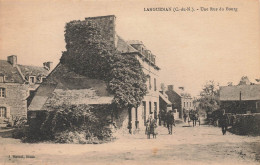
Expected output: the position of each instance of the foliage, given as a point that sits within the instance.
(127, 81)
(209, 97)
(19, 121)
(20, 132)
(246, 125)
(244, 81)
(89, 54)
(74, 137)
(87, 51)
(72, 118)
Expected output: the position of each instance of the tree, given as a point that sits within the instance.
(244, 81)
(209, 97)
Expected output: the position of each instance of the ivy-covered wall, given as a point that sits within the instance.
(90, 53)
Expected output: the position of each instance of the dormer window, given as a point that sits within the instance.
(32, 79)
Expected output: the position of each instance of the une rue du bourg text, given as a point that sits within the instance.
(191, 9)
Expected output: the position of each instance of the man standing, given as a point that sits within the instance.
(170, 121)
(185, 116)
(223, 121)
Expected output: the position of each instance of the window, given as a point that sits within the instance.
(144, 111)
(32, 79)
(150, 85)
(149, 56)
(155, 84)
(150, 107)
(3, 112)
(2, 78)
(184, 104)
(2, 92)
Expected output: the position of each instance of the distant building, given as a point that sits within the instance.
(180, 99)
(69, 81)
(241, 98)
(17, 84)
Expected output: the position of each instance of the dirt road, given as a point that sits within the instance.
(188, 145)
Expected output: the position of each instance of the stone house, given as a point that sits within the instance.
(181, 100)
(150, 103)
(94, 92)
(17, 85)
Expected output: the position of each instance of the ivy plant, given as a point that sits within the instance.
(89, 54)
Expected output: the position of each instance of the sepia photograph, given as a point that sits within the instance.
(129, 82)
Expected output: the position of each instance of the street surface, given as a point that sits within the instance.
(188, 145)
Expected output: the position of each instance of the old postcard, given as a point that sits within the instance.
(129, 82)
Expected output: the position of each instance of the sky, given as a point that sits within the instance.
(190, 47)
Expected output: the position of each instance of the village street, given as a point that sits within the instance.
(188, 145)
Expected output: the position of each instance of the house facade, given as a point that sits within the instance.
(150, 103)
(181, 100)
(17, 84)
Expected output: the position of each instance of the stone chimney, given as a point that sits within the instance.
(12, 60)
(107, 26)
(170, 87)
(48, 65)
(181, 88)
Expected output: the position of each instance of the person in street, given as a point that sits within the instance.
(223, 121)
(160, 118)
(185, 116)
(170, 121)
(151, 126)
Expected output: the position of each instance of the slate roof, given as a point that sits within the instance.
(232, 93)
(21, 73)
(11, 73)
(182, 93)
(124, 47)
(64, 85)
(36, 71)
(164, 98)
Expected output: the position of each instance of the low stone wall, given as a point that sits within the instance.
(246, 124)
